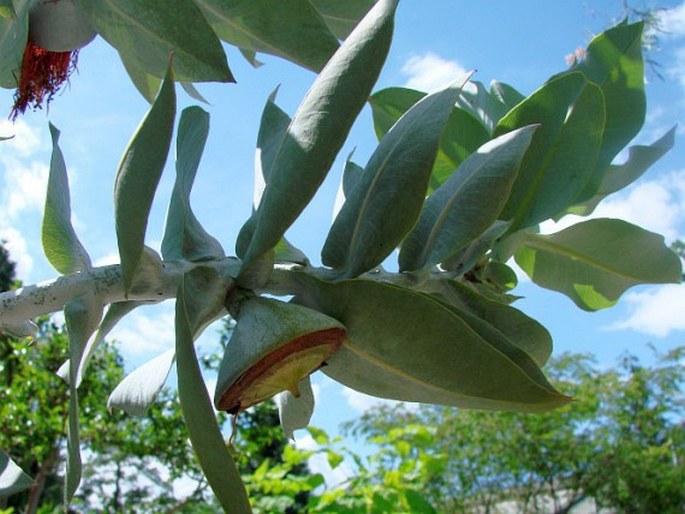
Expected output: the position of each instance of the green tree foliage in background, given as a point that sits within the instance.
(460, 181)
(132, 462)
(621, 444)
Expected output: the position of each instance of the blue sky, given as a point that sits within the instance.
(521, 43)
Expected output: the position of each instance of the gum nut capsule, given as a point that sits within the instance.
(59, 26)
(273, 346)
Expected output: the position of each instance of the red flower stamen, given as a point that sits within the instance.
(42, 75)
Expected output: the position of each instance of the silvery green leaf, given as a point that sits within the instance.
(200, 298)
(139, 389)
(296, 411)
(467, 203)
(60, 243)
(184, 236)
(12, 477)
(82, 316)
(386, 200)
(319, 128)
(138, 175)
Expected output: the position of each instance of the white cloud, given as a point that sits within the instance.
(107, 259)
(142, 334)
(25, 139)
(676, 70)
(430, 72)
(25, 185)
(656, 312)
(17, 246)
(362, 402)
(673, 21)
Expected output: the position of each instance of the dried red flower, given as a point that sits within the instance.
(42, 75)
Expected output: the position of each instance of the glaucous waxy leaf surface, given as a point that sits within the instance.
(483, 105)
(595, 261)
(463, 133)
(506, 94)
(342, 17)
(296, 411)
(139, 389)
(12, 478)
(618, 176)
(274, 346)
(145, 32)
(184, 236)
(139, 172)
(294, 30)
(387, 198)
(200, 299)
(14, 31)
(467, 203)
(320, 127)
(561, 159)
(82, 316)
(408, 346)
(60, 242)
(517, 327)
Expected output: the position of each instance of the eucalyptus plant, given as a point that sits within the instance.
(459, 182)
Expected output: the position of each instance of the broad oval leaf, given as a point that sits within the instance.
(485, 106)
(184, 236)
(60, 242)
(139, 389)
(145, 32)
(468, 203)
(296, 411)
(407, 346)
(293, 30)
(506, 94)
(320, 127)
(12, 477)
(595, 261)
(387, 198)
(138, 175)
(561, 159)
(200, 294)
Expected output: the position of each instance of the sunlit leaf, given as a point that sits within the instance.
(618, 176)
(320, 126)
(293, 30)
(562, 157)
(407, 346)
(387, 199)
(296, 411)
(199, 297)
(184, 236)
(506, 94)
(135, 393)
(12, 478)
(145, 32)
(462, 135)
(614, 62)
(60, 243)
(138, 175)
(594, 262)
(468, 203)
(482, 105)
